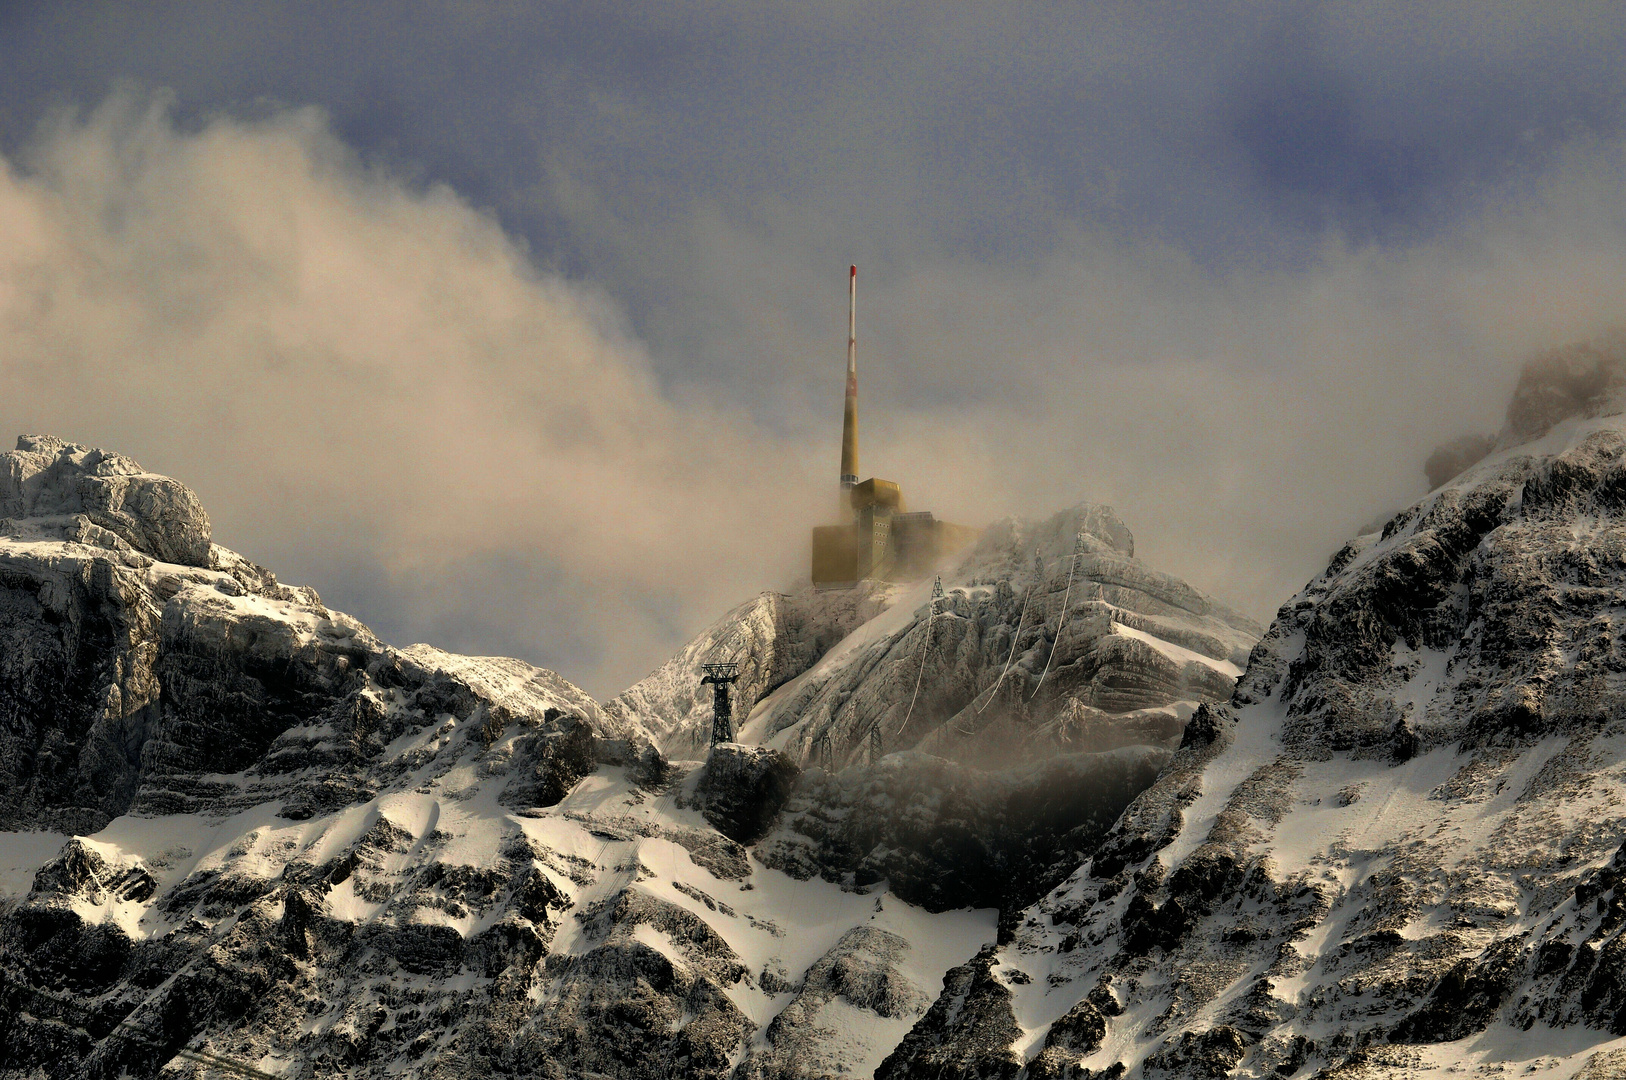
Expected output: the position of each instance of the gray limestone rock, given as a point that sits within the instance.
(1052, 638)
(1403, 833)
(548, 762)
(944, 835)
(965, 1035)
(862, 970)
(85, 490)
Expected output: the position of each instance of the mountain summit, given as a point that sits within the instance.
(1050, 637)
(1066, 819)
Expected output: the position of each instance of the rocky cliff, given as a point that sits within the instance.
(1397, 851)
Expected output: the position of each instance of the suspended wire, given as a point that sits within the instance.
(925, 648)
(1062, 619)
(1026, 600)
(918, 677)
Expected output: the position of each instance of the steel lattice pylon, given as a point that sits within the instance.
(721, 677)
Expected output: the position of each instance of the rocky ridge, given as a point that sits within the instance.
(1051, 638)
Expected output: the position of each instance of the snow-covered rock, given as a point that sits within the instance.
(773, 637)
(51, 487)
(741, 789)
(1395, 846)
(237, 830)
(1050, 638)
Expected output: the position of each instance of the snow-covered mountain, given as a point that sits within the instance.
(1398, 851)
(1050, 638)
(240, 834)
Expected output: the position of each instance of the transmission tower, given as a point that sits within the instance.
(824, 752)
(877, 747)
(721, 677)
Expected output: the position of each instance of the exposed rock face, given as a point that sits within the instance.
(966, 1035)
(774, 637)
(1451, 460)
(1582, 380)
(1397, 850)
(548, 762)
(102, 499)
(862, 972)
(943, 835)
(742, 788)
(1051, 638)
(137, 662)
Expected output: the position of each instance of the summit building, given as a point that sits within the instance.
(878, 537)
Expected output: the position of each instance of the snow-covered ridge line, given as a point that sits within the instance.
(282, 842)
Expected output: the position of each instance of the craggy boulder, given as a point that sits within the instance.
(742, 788)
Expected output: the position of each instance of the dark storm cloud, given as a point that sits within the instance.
(1234, 267)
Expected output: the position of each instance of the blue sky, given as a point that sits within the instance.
(1069, 216)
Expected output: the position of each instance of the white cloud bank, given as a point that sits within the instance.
(374, 390)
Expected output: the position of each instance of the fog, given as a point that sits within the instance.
(578, 432)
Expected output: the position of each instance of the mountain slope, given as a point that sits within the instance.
(238, 831)
(775, 636)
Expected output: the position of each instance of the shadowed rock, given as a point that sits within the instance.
(742, 788)
(943, 835)
(1583, 379)
(1456, 457)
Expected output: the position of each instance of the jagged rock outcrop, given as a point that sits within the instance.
(58, 490)
(138, 662)
(966, 1035)
(1452, 459)
(742, 788)
(1396, 850)
(1051, 638)
(774, 637)
(862, 972)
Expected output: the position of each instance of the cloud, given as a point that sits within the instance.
(1245, 420)
(376, 391)
(370, 386)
